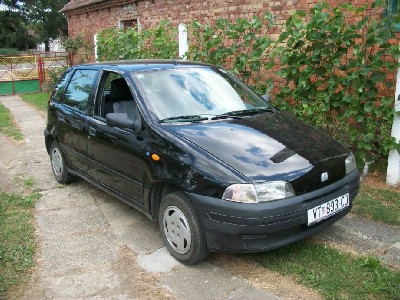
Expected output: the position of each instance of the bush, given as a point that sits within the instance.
(336, 70)
(9, 51)
(243, 46)
(158, 42)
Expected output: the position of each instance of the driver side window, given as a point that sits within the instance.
(116, 97)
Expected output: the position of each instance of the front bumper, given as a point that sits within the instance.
(243, 227)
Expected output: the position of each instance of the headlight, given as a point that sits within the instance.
(350, 163)
(258, 192)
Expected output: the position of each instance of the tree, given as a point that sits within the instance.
(14, 31)
(24, 23)
(48, 23)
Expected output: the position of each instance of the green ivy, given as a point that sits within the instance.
(336, 61)
(158, 42)
(73, 45)
(244, 46)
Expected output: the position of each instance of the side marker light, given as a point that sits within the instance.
(155, 157)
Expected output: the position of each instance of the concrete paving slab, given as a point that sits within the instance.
(71, 221)
(119, 214)
(392, 255)
(43, 181)
(140, 237)
(250, 293)
(384, 233)
(159, 261)
(99, 195)
(62, 255)
(341, 234)
(92, 282)
(36, 149)
(71, 197)
(204, 281)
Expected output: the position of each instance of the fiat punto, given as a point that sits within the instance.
(195, 149)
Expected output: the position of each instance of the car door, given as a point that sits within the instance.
(117, 155)
(72, 116)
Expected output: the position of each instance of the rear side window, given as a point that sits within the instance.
(79, 88)
(59, 89)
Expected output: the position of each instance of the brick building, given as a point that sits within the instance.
(88, 17)
(91, 16)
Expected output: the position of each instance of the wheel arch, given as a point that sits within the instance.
(157, 192)
(48, 141)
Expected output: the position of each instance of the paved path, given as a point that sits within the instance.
(92, 246)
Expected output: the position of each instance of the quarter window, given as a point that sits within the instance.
(79, 88)
(59, 89)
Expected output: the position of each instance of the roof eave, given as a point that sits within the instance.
(70, 9)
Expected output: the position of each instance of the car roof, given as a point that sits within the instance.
(145, 64)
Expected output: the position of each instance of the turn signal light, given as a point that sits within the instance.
(155, 157)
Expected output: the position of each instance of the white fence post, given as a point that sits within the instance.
(393, 169)
(183, 41)
(96, 57)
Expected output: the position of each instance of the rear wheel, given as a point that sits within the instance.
(58, 164)
(181, 229)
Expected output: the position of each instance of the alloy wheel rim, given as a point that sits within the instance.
(177, 230)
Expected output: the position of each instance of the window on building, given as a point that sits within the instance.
(394, 8)
(127, 24)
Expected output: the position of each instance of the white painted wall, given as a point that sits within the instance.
(183, 41)
(96, 56)
(55, 46)
(393, 170)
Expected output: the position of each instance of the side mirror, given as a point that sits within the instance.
(121, 120)
(266, 97)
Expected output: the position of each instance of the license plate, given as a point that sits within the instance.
(327, 209)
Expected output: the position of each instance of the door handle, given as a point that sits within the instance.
(92, 131)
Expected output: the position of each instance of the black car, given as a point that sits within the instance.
(191, 146)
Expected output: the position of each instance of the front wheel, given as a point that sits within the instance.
(181, 229)
(58, 164)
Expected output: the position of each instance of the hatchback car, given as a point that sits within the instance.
(194, 148)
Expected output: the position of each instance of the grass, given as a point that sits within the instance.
(17, 244)
(334, 274)
(38, 100)
(29, 182)
(7, 125)
(378, 205)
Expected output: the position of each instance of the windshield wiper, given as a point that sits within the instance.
(226, 116)
(244, 112)
(189, 118)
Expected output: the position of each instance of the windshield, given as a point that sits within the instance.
(195, 91)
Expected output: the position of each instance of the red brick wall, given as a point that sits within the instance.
(183, 11)
(95, 20)
(88, 21)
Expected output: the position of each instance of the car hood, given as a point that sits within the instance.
(270, 146)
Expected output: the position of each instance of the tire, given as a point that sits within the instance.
(58, 164)
(181, 229)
